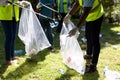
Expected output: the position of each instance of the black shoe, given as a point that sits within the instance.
(90, 68)
(87, 57)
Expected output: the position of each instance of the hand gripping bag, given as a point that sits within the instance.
(31, 33)
(70, 49)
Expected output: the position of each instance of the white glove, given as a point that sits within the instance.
(24, 3)
(73, 32)
(39, 5)
(67, 18)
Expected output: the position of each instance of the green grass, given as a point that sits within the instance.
(45, 64)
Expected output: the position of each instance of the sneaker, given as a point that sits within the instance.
(91, 68)
(87, 57)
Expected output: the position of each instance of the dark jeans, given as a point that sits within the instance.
(92, 35)
(59, 27)
(10, 29)
(47, 29)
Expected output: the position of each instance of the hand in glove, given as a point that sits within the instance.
(39, 5)
(73, 32)
(67, 18)
(24, 3)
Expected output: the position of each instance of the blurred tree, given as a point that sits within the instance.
(109, 8)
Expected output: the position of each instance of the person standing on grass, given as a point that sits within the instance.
(9, 17)
(93, 15)
(46, 22)
(63, 6)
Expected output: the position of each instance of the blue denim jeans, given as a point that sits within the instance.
(47, 29)
(10, 28)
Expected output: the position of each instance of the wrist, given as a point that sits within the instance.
(68, 15)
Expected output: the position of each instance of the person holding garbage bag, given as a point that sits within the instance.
(63, 6)
(93, 15)
(45, 22)
(9, 17)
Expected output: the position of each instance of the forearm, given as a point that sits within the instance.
(75, 7)
(84, 16)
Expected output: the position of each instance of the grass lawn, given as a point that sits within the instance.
(45, 64)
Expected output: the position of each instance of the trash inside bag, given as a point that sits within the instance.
(70, 49)
(31, 32)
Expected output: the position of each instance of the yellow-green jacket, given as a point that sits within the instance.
(96, 12)
(6, 12)
(65, 5)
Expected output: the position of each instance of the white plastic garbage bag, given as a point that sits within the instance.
(31, 32)
(70, 49)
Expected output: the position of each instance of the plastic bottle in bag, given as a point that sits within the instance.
(32, 53)
(19, 52)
